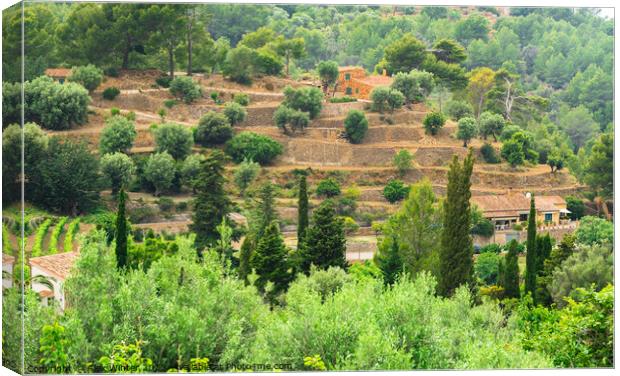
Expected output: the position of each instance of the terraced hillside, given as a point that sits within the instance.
(320, 147)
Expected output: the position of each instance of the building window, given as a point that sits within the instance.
(347, 76)
(522, 217)
(548, 217)
(348, 91)
(357, 91)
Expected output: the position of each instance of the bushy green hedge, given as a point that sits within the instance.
(110, 93)
(88, 76)
(250, 145)
(186, 89)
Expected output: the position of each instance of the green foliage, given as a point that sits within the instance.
(355, 126)
(575, 206)
(599, 166)
(52, 247)
(118, 168)
(384, 98)
(324, 243)
(510, 281)
(53, 342)
(175, 139)
(250, 145)
(242, 99)
(405, 54)
(270, 262)
(328, 73)
(489, 154)
(88, 76)
(458, 110)
(402, 161)
(491, 124)
(433, 122)
(472, 27)
(191, 168)
(531, 259)
(121, 232)
(512, 152)
(55, 106)
(450, 51)
(235, 113)
(163, 81)
(126, 359)
(245, 174)
(285, 116)
(72, 229)
(578, 125)
(213, 128)
(305, 99)
(456, 253)
(343, 99)
(467, 129)
(211, 205)
(239, 65)
(328, 187)
(110, 93)
(593, 230)
(160, 171)
(118, 135)
(492, 247)
(395, 190)
(302, 210)
(186, 89)
(415, 85)
(37, 248)
(169, 103)
(389, 260)
(314, 363)
(486, 267)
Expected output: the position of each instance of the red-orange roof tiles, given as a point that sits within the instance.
(57, 72)
(59, 265)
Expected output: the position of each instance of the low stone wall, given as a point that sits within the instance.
(504, 236)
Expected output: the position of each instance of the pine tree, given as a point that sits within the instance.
(456, 254)
(302, 210)
(511, 271)
(211, 203)
(245, 255)
(270, 260)
(265, 209)
(325, 242)
(121, 232)
(532, 252)
(390, 262)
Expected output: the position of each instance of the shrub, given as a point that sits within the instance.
(305, 99)
(175, 139)
(235, 113)
(467, 129)
(395, 191)
(512, 152)
(285, 115)
(433, 122)
(118, 135)
(111, 72)
(483, 228)
(491, 248)
(53, 105)
(242, 99)
(239, 65)
(118, 168)
(163, 81)
(110, 93)
(458, 110)
(402, 161)
(250, 145)
(165, 204)
(344, 99)
(415, 85)
(491, 124)
(169, 103)
(350, 226)
(384, 98)
(245, 173)
(328, 188)
(160, 171)
(486, 267)
(213, 129)
(355, 126)
(88, 76)
(489, 154)
(191, 168)
(267, 62)
(186, 89)
(575, 206)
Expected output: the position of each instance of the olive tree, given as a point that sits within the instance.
(160, 171)
(118, 168)
(175, 139)
(118, 134)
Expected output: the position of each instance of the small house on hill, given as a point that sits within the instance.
(510, 209)
(55, 269)
(8, 265)
(354, 82)
(58, 74)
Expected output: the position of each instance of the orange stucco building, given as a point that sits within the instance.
(354, 82)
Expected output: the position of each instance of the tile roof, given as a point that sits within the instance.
(349, 68)
(503, 205)
(57, 72)
(375, 80)
(7, 259)
(46, 293)
(59, 265)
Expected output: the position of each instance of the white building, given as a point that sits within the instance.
(8, 264)
(55, 269)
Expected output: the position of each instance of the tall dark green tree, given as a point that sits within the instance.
(390, 262)
(265, 209)
(543, 248)
(245, 255)
(532, 253)
(557, 256)
(456, 251)
(511, 271)
(325, 242)
(121, 232)
(270, 261)
(302, 210)
(211, 203)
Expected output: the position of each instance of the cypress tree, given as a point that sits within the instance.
(270, 260)
(325, 243)
(211, 203)
(245, 255)
(302, 210)
(532, 253)
(121, 232)
(557, 255)
(389, 261)
(456, 251)
(265, 210)
(511, 271)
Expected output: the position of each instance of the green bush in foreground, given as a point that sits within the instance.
(250, 145)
